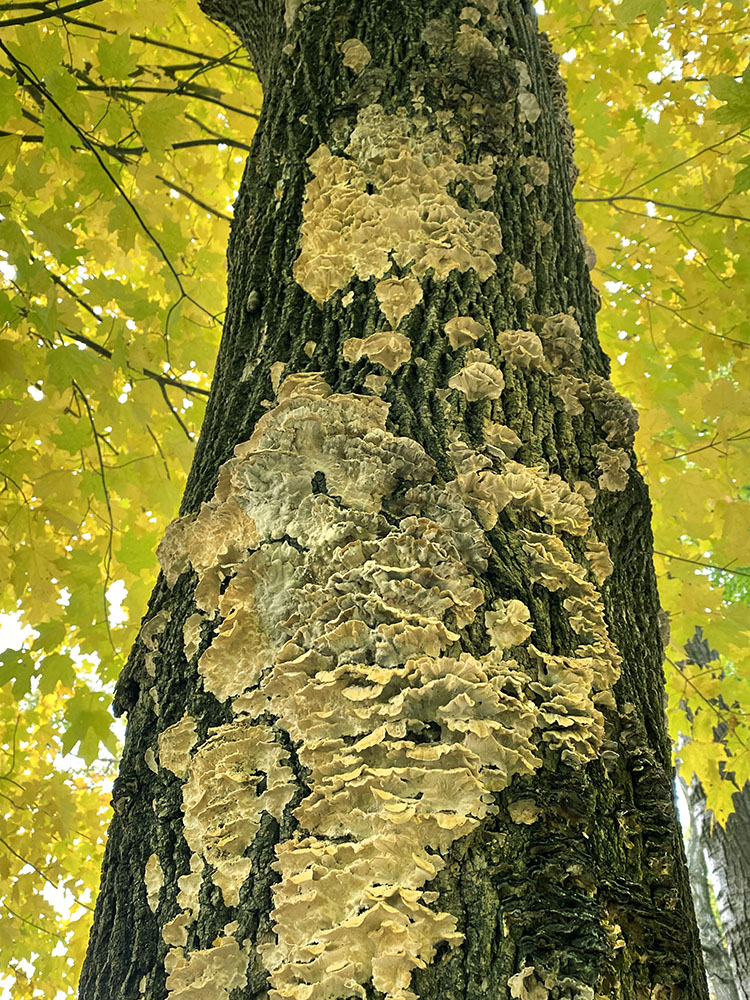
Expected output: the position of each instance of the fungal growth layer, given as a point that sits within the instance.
(336, 573)
(341, 596)
(386, 202)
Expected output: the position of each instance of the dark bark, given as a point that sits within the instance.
(592, 896)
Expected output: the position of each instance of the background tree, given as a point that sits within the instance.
(130, 111)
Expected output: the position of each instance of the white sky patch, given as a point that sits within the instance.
(14, 635)
(116, 594)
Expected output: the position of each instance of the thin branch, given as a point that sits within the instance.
(157, 43)
(677, 312)
(31, 76)
(698, 562)
(180, 91)
(39, 871)
(613, 198)
(159, 449)
(715, 708)
(46, 11)
(688, 159)
(196, 201)
(739, 436)
(116, 149)
(108, 560)
(31, 923)
(66, 288)
(12, 752)
(104, 352)
(188, 433)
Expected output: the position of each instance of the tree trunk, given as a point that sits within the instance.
(721, 979)
(726, 855)
(395, 718)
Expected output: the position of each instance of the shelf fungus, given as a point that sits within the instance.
(344, 590)
(386, 202)
(572, 391)
(303, 384)
(501, 441)
(522, 348)
(528, 106)
(601, 565)
(528, 985)
(561, 336)
(389, 349)
(471, 43)
(209, 974)
(508, 624)
(463, 330)
(522, 278)
(538, 169)
(153, 877)
(355, 54)
(149, 635)
(222, 802)
(478, 380)
(175, 745)
(397, 298)
(613, 464)
(617, 416)
(191, 633)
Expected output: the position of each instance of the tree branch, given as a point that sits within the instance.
(165, 380)
(698, 562)
(613, 198)
(45, 11)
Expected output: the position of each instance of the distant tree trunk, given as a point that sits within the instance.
(721, 980)
(395, 716)
(726, 854)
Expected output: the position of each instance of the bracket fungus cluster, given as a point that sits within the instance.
(336, 613)
(386, 202)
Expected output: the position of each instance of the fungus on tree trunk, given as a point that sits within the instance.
(405, 647)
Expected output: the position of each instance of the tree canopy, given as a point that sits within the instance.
(124, 131)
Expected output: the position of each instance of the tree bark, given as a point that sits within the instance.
(721, 979)
(726, 854)
(395, 720)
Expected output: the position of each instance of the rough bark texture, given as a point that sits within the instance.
(726, 854)
(574, 885)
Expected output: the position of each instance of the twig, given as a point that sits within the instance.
(613, 198)
(698, 562)
(46, 11)
(189, 434)
(108, 560)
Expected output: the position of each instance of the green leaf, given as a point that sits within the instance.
(88, 723)
(116, 61)
(75, 433)
(54, 668)
(17, 667)
(160, 123)
(735, 94)
(12, 361)
(51, 634)
(67, 363)
(655, 11)
(742, 179)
